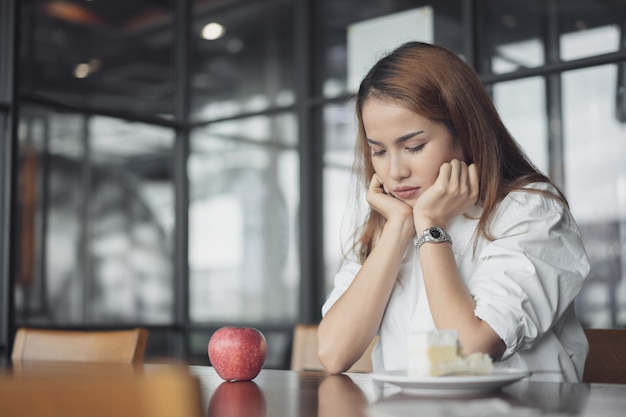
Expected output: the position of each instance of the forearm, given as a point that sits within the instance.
(451, 303)
(349, 326)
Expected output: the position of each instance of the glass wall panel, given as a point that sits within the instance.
(522, 106)
(332, 19)
(588, 28)
(341, 201)
(596, 187)
(511, 35)
(242, 58)
(243, 217)
(112, 55)
(96, 210)
(514, 34)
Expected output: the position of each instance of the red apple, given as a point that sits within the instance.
(237, 353)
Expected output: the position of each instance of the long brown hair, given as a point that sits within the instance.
(435, 83)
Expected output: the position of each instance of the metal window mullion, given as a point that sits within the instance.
(8, 174)
(620, 93)
(312, 279)
(554, 109)
(478, 47)
(181, 56)
(44, 177)
(84, 254)
(471, 27)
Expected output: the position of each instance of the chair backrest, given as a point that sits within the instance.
(304, 351)
(163, 393)
(606, 361)
(120, 346)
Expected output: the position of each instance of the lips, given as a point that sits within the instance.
(406, 193)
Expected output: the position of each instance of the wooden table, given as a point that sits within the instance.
(276, 393)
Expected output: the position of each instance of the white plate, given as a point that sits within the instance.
(451, 385)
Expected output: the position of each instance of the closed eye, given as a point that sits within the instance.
(378, 153)
(416, 148)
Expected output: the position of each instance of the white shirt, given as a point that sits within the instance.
(523, 284)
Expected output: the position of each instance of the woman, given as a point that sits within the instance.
(463, 232)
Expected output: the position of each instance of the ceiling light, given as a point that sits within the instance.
(213, 31)
(81, 70)
(84, 69)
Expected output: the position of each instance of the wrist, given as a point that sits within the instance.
(433, 234)
(423, 224)
(402, 227)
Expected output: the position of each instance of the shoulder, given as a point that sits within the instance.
(536, 203)
(535, 197)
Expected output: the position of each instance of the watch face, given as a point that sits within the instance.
(435, 233)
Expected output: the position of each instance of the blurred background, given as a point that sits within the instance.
(183, 165)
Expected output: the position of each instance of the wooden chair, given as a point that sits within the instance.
(118, 346)
(606, 361)
(163, 393)
(304, 351)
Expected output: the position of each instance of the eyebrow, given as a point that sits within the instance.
(401, 139)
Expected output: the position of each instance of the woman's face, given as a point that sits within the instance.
(406, 149)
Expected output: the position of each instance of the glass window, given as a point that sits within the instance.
(113, 55)
(96, 220)
(332, 19)
(522, 106)
(243, 217)
(242, 60)
(596, 188)
(589, 28)
(511, 35)
(341, 202)
(515, 34)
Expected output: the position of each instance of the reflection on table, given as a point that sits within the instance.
(274, 393)
(288, 393)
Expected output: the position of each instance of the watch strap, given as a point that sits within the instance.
(432, 234)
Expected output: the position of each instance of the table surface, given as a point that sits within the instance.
(278, 393)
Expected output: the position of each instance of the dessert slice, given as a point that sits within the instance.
(438, 353)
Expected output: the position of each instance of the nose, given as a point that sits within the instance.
(398, 168)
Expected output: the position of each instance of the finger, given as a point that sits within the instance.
(473, 180)
(445, 171)
(456, 173)
(464, 178)
(375, 182)
(459, 178)
(381, 184)
(376, 185)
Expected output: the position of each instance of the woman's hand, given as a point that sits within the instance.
(384, 203)
(454, 192)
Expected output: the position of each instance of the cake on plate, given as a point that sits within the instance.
(439, 353)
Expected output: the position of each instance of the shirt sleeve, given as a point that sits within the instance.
(342, 281)
(531, 273)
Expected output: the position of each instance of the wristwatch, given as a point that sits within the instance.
(432, 234)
